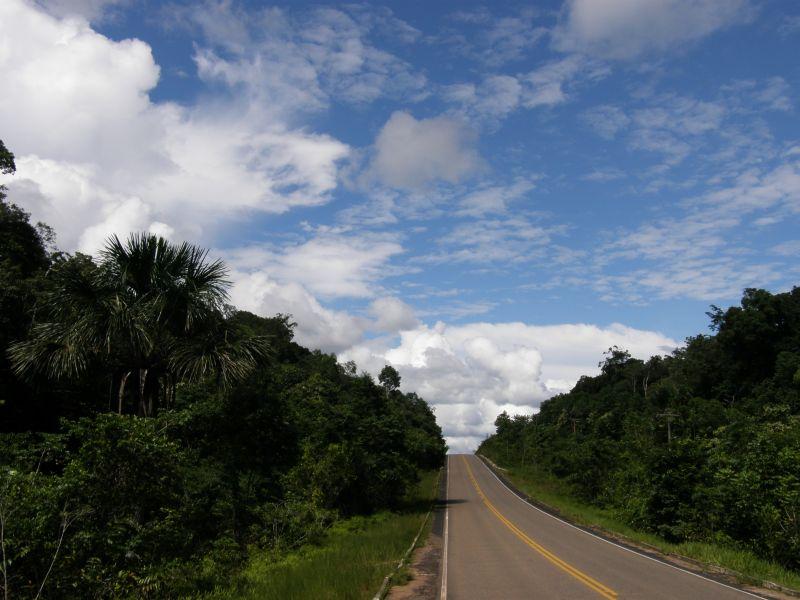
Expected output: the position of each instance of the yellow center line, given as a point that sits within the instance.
(593, 584)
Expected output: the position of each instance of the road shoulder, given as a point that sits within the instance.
(425, 567)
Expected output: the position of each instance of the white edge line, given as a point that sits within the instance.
(661, 562)
(443, 593)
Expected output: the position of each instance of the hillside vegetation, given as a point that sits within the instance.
(152, 437)
(699, 446)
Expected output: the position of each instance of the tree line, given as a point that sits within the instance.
(700, 445)
(151, 435)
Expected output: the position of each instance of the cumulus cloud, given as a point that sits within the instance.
(410, 153)
(97, 156)
(625, 29)
(392, 315)
(472, 372)
(331, 266)
(318, 326)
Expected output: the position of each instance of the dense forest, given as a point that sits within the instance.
(702, 445)
(151, 434)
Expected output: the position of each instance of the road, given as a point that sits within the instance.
(497, 546)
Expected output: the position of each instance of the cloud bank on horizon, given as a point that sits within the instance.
(484, 196)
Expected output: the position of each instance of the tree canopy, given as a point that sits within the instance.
(703, 444)
(151, 435)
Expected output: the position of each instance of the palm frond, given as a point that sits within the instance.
(213, 353)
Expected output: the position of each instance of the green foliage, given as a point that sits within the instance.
(251, 443)
(700, 446)
(350, 562)
(389, 378)
(269, 464)
(558, 495)
(24, 261)
(151, 310)
(7, 165)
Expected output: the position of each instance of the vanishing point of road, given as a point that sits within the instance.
(497, 546)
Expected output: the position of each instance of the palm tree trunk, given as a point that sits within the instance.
(169, 390)
(142, 382)
(150, 396)
(121, 394)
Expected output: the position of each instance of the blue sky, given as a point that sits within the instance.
(485, 195)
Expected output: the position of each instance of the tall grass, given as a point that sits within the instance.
(556, 494)
(349, 564)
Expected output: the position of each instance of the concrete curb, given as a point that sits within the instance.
(386, 580)
(709, 571)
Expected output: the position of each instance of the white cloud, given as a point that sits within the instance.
(604, 174)
(331, 266)
(681, 115)
(702, 278)
(91, 10)
(674, 127)
(776, 94)
(97, 156)
(470, 373)
(776, 189)
(318, 327)
(494, 199)
(496, 96)
(606, 120)
(704, 254)
(495, 40)
(624, 29)
(788, 248)
(302, 61)
(790, 25)
(392, 315)
(502, 241)
(289, 280)
(411, 153)
(493, 98)
(545, 86)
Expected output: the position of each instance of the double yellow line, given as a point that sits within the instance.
(593, 584)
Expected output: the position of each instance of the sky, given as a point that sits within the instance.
(486, 196)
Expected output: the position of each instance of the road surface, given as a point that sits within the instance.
(497, 546)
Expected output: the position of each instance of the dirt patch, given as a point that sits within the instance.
(425, 565)
(424, 571)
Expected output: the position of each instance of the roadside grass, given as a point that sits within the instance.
(556, 494)
(349, 564)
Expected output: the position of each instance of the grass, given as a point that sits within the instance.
(349, 564)
(556, 494)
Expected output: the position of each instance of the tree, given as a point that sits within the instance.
(24, 260)
(701, 445)
(151, 310)
(7, 166)
(389, 378)
(616, 358)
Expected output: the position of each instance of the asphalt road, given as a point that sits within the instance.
(497, 546)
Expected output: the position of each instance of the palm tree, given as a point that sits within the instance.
(151, 309)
